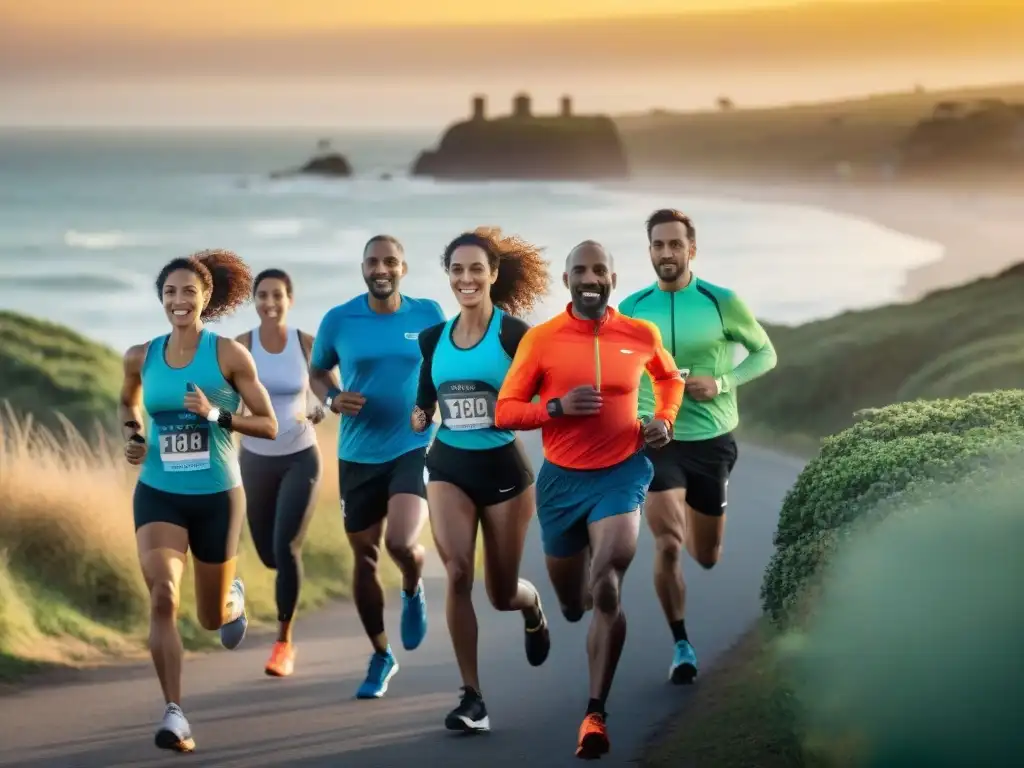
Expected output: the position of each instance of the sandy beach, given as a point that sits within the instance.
(981, 228)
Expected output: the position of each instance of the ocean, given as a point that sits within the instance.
(88, 217)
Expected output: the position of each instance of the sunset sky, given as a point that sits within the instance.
(409, 62)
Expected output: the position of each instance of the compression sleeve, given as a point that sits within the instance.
(426, 392)
(742, 327)
(325, 355)
(515, 409)
(511, 334)
(668, 385)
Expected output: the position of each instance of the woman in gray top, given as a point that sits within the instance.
(281, 476)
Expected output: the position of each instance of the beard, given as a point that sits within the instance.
(380, 290)
(592, 307)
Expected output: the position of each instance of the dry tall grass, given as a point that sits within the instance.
(70, 586)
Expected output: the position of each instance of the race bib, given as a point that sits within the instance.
(184, 440)
(467, 405)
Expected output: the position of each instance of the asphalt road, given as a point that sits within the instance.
(242, 718)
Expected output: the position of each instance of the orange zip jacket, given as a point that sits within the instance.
(611, 354)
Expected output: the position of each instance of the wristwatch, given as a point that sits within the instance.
(554, 406)
(221, 418)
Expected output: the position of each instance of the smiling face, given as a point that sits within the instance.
(184, 298)
(383, 268)
(671, 251)
(470, 275)
(590, 278)
(272, 300)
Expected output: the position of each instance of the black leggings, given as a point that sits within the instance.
(280, 493)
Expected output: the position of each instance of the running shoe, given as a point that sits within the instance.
(383, 667)
(233, 632)
(174, 732)
(684, 664)
(414, 618)
(282, 660)
(538, 638)
(471, 714)
(593, 739)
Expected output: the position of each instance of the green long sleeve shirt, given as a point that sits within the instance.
(701, 325)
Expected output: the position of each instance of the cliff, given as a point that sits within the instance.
(47, 368)
(525, 146)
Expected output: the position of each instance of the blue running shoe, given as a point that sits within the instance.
(414, 618)
(233, 632)
(684, 664)
(383, 667)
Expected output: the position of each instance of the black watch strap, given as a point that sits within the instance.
(554, 406)
(224, 419)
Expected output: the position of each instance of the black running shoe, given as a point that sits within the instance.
(471, 714)
(538, 638)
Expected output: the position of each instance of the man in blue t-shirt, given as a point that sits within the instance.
(373, 340)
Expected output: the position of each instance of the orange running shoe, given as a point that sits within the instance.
(593, 738)
(282, 660)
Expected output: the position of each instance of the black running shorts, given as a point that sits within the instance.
(213, 520)
(366, 488)
(702, 467)
(487, 477)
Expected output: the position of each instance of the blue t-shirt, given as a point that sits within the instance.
(378, 356)
(464, 383)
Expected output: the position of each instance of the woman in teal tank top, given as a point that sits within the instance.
(479, 476)
(189, 496)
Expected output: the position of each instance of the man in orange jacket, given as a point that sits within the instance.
(586, 364)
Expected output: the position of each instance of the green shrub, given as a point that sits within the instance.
(917, 623)
(895, 458)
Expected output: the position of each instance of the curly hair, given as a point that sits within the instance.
(523, 275)
(226, 279)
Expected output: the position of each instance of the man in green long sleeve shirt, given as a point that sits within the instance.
(700, 324)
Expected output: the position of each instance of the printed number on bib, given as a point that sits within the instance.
(184, 440)
(467, 405)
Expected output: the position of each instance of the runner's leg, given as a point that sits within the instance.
(453, 522)
(367, 592)
(708, 470)
(407, 514)
(215, 525)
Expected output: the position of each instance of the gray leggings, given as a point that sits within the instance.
(280, 493)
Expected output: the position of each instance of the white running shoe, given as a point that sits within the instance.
(174, 732)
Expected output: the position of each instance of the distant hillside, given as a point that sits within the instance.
(977, 130)
(46, 367)
(950, 344)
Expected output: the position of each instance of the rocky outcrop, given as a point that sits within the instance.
(988, 133)
(524, 146)
(324, 163)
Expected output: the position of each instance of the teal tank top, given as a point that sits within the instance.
(467, 382)
(186, 453)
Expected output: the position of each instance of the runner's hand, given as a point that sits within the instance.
(702, 387)
(347, 403)
(317, 415)
(656, 433)
(581, 401)
(420, 419)
(196, 402)
(135, 451)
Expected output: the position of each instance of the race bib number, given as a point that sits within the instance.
(467, 405)
(184, 440)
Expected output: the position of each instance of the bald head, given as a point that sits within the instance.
(590, 278)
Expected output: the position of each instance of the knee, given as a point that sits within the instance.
(605, 587)
(460, 575)
(502, 595)
(573, 613)
(366, 560)
(399, 550)
(669, 548)
(163, 599)
(210, 619)
(707, 557)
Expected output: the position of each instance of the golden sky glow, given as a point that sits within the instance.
(215, 17)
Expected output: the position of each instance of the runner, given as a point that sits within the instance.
(687, 499)
(586, 365)
(479, 475)
(189, 493)
(281, 476)
(373, 339)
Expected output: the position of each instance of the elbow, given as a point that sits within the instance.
(502, 417)
(269, 428)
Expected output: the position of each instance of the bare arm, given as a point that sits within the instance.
(129, 407)
(320, 381)
(241, 372)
